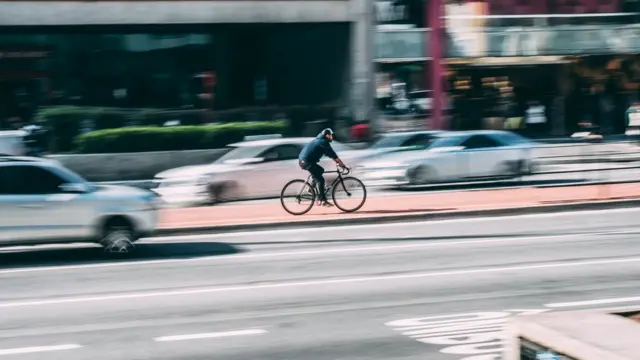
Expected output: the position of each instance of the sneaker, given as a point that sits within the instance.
(327, 204)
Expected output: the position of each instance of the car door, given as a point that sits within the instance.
(278, 167)
(34, 208)
(482, 156)
(284, 168)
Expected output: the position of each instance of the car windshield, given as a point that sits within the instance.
(445, 141)
(510, 138)
(390, 141)
(242, 152)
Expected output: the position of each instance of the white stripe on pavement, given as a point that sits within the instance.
(316, 252)
(594, 302)
(37, 349)
(209, 290)
(210, 335)
(304, 229)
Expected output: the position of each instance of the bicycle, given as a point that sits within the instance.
(308, 192)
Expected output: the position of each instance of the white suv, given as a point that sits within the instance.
(42, 202)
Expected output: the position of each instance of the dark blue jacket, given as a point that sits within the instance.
(315, 149)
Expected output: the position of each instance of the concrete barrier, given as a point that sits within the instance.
(605, 334)
(142, 166)
(134, 166)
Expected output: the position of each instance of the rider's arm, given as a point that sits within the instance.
(332, 154)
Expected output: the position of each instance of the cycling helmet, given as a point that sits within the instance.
(326, 132)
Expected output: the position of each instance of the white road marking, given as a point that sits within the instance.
(37, 349)
(316, 252)
(209, 290)
(305, 230)
(594, 302)
(477, 336)
(210, 335)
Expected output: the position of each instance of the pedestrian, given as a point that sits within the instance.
(535, 119)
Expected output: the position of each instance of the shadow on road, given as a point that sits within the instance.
(76, 255)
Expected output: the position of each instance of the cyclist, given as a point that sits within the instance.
(311, 155)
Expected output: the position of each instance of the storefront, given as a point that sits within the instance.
(213, 67)
(402, 88)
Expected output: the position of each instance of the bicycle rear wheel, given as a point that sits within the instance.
(349, 195)
(297, 193)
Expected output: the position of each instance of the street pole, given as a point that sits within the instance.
(434, 45)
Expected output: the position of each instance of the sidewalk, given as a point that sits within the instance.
(405, 204)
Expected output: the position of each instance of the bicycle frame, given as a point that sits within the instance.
(333, 184)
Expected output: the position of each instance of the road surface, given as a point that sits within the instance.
(380, 291)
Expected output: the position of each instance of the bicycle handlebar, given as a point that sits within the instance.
(343, 170)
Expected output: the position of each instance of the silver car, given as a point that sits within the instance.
(42, 202)
(249, 170)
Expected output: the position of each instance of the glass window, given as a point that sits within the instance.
(446, 141)
(419, 140)
(29, 180)
(480, 142)
(288, 152)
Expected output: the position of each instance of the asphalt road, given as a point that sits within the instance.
(380, 291)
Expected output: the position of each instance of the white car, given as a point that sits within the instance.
(249, 170)
(454, 157)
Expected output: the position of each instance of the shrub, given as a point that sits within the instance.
(151, 138)
(67, 122)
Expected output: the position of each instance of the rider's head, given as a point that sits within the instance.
(327, 134)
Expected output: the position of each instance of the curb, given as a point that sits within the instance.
(426, 216)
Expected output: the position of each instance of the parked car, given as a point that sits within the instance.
(41, 202)
(248, 170)
(454, 156)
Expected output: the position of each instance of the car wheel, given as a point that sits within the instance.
(222, 193)
(420, 176)
(228, 192)
(507, 170)
(118, 236)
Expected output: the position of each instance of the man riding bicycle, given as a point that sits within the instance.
(311, 155)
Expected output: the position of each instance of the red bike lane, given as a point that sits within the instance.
(407, 203)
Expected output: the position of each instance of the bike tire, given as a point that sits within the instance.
(298, 184)
(340, 185)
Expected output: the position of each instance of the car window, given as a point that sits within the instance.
(288, 152)
(509, 138)
(29, 180)
(419, 140)
(389, 141)
(480, 142)
(446, 141)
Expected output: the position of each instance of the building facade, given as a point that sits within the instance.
(215, 55)
(567, 55)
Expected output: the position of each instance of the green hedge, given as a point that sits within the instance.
(140, 139)
(66, 122)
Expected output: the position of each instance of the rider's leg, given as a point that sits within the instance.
(317, 171)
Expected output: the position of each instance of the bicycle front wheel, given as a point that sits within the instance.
(297, 197)
(349, 195)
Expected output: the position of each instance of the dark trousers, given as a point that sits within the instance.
(316, 172)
